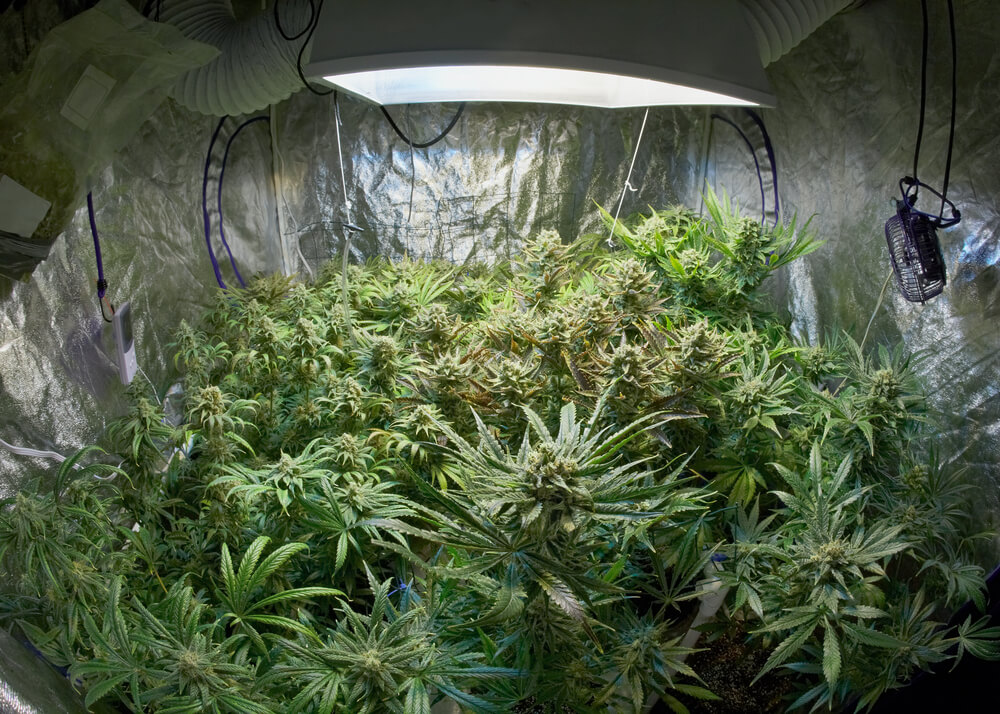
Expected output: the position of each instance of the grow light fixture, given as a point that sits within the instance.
(600, 53)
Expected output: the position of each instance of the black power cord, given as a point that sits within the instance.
(423, 144)
(102, 284)
(912, 187)
(281, 30)
(954, 104)
(148, 8)
(315, 10)
(756, 163)
(923, 92)
(769, 149)
(222, 176)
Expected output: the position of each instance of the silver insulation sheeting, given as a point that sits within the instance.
(504, 172)
(58, 382)
(843, 131)
(29, 686)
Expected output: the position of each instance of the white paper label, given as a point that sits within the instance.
(20, 210)
(87, 96)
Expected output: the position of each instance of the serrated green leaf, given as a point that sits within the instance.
(831, 656)
(871, 637)
(693, 690)
(783, 652)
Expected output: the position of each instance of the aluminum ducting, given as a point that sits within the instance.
(780, 25)
(256, 67)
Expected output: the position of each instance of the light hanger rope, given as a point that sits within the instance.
(340, 156)
(347, 228)
(628, 178)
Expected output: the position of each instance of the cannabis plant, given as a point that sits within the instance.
(507, 486)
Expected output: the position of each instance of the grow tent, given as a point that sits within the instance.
(841, 131)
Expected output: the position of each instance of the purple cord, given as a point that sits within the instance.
(753, 154)
(102, 284)
(222, 174)
(770, 157)
(204, 206)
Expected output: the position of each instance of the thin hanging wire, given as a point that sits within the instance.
(923, 92)
(343, 178)
(954, 104)
(347, 228)
(413, 166)
(923, 103)
(628, 179)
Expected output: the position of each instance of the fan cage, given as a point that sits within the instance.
(916, 255)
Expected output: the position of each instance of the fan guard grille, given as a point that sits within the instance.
(916, 254)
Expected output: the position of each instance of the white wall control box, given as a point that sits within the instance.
(121, 324)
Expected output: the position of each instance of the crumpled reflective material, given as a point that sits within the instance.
(502, 174)
(59, 385)
(28, 686)
(843, 132)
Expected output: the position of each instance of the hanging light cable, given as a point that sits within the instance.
(628, 178)
(349, 227)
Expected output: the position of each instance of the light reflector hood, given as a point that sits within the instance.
(587, 52)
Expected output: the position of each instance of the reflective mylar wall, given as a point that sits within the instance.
(503, 172)
(843, 132)
(58, 382)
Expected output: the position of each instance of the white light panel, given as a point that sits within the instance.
(494, 83)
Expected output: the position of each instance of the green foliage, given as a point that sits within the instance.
(500, 486)
(243, 611)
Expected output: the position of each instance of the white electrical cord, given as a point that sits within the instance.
(155, 395)
(628, 179)
(21, 451)
(343, 175)
(277, 177)
(347, 229)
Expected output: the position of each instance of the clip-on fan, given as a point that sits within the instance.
(912, 234)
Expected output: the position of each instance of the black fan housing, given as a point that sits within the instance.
(915, 253)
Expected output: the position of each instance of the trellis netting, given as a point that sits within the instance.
(842, 134)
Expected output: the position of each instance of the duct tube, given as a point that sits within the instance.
(779, 25)
(256, 67)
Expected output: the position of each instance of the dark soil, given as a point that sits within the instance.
(727, 666)
(531, 706)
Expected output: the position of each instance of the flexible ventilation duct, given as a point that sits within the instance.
(780, 25)
(256, 67)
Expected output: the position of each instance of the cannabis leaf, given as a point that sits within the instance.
(241, 585)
